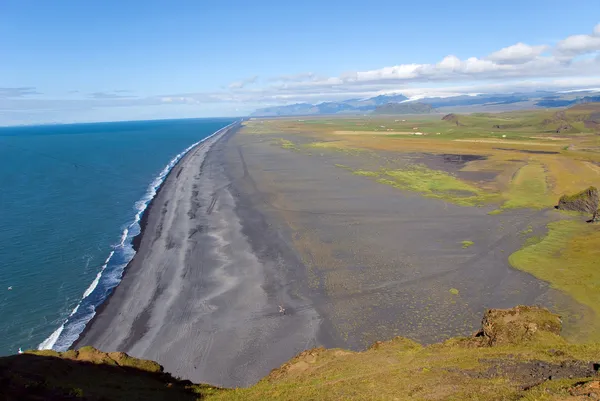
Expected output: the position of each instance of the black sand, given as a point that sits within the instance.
(249, 226)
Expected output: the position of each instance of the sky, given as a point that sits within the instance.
(75, 61)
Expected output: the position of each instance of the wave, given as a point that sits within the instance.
(111, 272)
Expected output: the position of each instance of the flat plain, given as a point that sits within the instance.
(403, 221)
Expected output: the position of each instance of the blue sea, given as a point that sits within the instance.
(71, 197)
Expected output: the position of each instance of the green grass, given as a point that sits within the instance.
(466, 244)
(528, 230)
(285, 144)
(567, 258)
(528, 189)
(431, 183)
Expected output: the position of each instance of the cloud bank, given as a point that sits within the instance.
(571, 63)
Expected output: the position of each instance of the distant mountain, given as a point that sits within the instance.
(346, 106)
(404, 108)
(298, 109)
(467, 100)
(553, 102)
(462, 103)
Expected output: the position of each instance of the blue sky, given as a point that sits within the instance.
(68, 61)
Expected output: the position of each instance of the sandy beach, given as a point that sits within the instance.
(242, 226)
(197, 297)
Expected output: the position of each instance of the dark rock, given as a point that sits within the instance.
(585, 202)
(517, 325)
(563, 127)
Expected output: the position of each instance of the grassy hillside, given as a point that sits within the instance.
(517, 354)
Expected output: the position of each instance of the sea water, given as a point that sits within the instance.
(71, 197)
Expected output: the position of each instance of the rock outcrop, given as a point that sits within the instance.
(453, 118)
(584, 202)
(517, 325)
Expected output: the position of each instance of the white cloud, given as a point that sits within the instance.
(576, 45)
(512, 63)
(517, 54)
(241, 84)
(17, 92)
(305, 76)
(519, 67)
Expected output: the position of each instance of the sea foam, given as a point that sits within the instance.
(111, 272)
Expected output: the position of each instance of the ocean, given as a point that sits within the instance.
(71, 197)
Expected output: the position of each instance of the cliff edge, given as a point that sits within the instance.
(517, 354)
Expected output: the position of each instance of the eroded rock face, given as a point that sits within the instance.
(585, 201)
(517, 325)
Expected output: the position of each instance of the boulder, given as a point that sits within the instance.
(518, 325)
(585, 201)
(451, 118)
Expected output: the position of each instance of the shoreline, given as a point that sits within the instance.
(201, 295)
(136, 240)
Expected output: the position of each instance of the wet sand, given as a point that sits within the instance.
(247, 226)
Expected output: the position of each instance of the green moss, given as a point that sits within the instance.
(528, 230)
(366, 173)
(431, 183)
(343, 166)
(528, 189)
(466, 244)
(567, 258)
(578, 196)
(453, 291)
(285, 144)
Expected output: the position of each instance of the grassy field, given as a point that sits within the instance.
(568, 258)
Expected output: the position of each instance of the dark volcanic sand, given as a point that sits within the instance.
(381, 262)
(197, 297)
(249, 226)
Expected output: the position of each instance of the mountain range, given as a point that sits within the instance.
(387, 104)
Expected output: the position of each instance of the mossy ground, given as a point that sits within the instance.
(568, 257)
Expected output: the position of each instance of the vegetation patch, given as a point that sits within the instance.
(517, 354)
(528, 189)
(567, 258)
(431, 183)
(466, 244)
(286, 144)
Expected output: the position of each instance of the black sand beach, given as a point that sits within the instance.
(239, 230)
(197, 297)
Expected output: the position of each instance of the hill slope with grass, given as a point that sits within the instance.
(517, 354)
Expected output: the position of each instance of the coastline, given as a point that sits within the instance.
(199, 297)
(72, 326)
(136, 240)
(247, 226)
